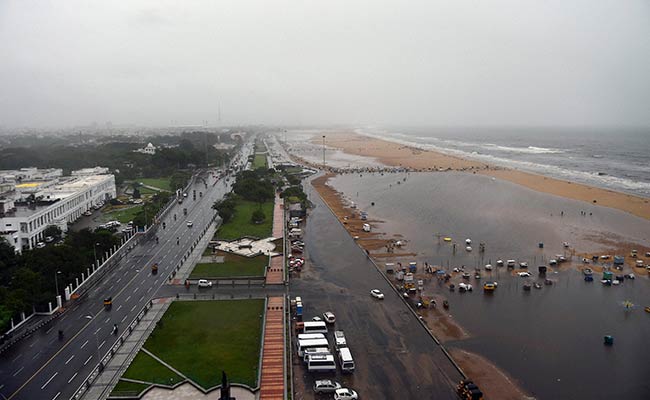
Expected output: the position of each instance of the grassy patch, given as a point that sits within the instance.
(241, 225)
(160, 183)
(233, 265)
(124, 388)
(148, 369)
(259, 161)
(123, 215)
(201, 338)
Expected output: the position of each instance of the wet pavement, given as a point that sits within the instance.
(395, 356)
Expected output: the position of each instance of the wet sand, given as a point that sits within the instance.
(493, 381)
(397, 155)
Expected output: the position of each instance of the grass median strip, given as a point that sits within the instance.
(232, 266)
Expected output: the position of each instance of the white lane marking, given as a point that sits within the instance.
(123, 318)
(69, 359)
(97, 330)
(57, 395)
(18, 371)
(133, 308)
(49, 380)
(48, 331)
(127, 299)
(100, 346)
(62, 318)
(118, 308)
(107, 319)
(73, 376)
(33, 343)
(85, 343)
(118, 281)
(17, 357)
(86, 362)
(136, 289)
(36, 355)
(110, 287)
(148, 290)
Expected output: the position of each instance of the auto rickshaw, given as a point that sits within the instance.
(108, 303)
(154, 269)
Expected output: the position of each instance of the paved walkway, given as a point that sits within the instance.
(275, 274)
(272, 385)
(107, 379)
(195, 256)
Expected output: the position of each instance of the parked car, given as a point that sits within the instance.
(40, 245)
(345, 394)
(190, 224)
(205, 283)
(329, 317)
(339, 339)
(377, 294)
(326, 386)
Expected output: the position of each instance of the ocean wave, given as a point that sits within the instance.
(526, 150)
(590, 178)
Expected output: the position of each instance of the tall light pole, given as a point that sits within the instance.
(95, 252)
(56, 282)
(90, 317)
(323, 151)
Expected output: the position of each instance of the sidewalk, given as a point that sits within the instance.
(107, 379)
(194, 257)
(275, 274)
(272, 385)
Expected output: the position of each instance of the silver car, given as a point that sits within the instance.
(326, 386)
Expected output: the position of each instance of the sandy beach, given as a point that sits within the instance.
(397, 155)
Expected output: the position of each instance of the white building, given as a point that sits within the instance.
(30, 207)
(149, 149)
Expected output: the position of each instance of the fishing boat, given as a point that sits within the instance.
(477, 276)
(468, 248)
(548, 282)
(523, 264)
(445, 304)
(537, 285)
(647, 309)
(468, 241)
(588, 271)
(527, 286)
(488, 267)
(447, 239)
(499, 263)
(466, 275)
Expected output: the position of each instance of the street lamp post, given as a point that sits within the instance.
(90, 317)
(56, 282)
(95, 252)
(323, 151)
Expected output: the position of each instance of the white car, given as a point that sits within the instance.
(523, 274)
(326, 386)
(345, 394)
(329, 317)
(190, 224)
(377, 294)
(40, 245)
(204, 283)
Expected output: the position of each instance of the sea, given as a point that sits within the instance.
(610, 158)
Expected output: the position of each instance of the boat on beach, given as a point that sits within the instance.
(499, 263)
(527, 286)
(488, 267)
(587, 271)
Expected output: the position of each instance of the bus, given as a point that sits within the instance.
(307, 336)
(310, 344)
(314, 327)
(321, 363)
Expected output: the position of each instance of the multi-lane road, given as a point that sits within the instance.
(46, 367)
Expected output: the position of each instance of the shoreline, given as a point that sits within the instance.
(494, 382)
(397, 155)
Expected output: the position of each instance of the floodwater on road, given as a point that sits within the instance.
(548, 339)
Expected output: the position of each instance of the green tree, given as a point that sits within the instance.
(258, 217)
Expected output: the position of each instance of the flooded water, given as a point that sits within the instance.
(549, 339)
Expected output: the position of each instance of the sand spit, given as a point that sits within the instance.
(494, 383)
(397, 155)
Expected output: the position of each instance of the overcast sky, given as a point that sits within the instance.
(456, 62)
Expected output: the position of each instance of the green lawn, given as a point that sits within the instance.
(202, 338)
(148, 369)
(259, 161)
(123, 215)
(131, 389)
(160, 183)
(232, 266)
(241, 225)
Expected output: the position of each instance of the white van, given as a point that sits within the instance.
(303, 345)
(307, 336)
(314, 327)
(295, 232)
(321, 363)
(323, 351)
(346, 360)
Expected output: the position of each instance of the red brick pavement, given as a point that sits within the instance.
(272, 385)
